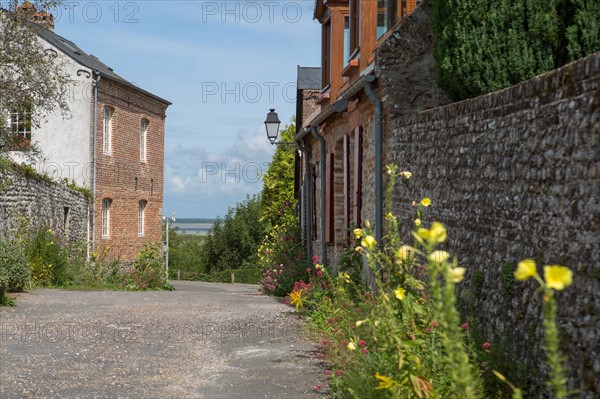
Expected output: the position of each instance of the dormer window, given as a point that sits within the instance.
(107, 132)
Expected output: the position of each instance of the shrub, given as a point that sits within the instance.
(149, 268)
(48, 257)
(14, 273)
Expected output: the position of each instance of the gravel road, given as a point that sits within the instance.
(203, 340)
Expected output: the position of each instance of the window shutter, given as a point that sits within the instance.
(358, 148)
(347, 210)
(330, 196)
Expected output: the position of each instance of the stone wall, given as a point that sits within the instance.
(516, 174)
(41, 204)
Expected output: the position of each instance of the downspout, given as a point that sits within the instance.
(317, 136)
(96, 81)
(376, 101)
(307, 198)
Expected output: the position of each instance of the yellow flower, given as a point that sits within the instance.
(318, 266)
(417, 222)
(385, 382)
(439, 256)
(351, 346)
(368, 242)
(407, 175)
(359, 249)
(435, 235)
(360, 323)
(367, 224)
(400, 292)
(357, 233)
(525, 269)
(425, 202)
(404, 253)
(296, 298)
(346, 277)
(558, 277)
(456, 274)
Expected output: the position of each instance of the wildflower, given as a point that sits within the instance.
(486, 346)
(318, 266)
(456, 274)
(339, 373)
(359, 323)
(357, 233)
(435, 324)
(308, 270)
(327, 372)
(465, 326)
(296, 298)
(359, 249)
(435, 235)
(318, 387)
(319, 273)
(385, 382)
(367, 224)
(425, 202)
(364, 351)
(557, 277)
(414, 203)
(368, 242)
(400, 293)
(526, 269)
(345, 276)
(351, 346)
(362, 343)
(315, 259)
(439, 256)
(407, 175)
(404, 252)
(418, 222)
(427, 330)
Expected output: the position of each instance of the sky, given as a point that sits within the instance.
(223, 65)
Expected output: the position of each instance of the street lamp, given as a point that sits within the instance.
(272, 125)
(166, 220)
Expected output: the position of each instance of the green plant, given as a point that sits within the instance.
(14, 273)
(148, 270)
(48, 257)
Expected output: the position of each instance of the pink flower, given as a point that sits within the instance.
(316, 259)
(318, 387)
(465, 326)
(308, 270)
(486, 346)
(427, 330)
(435, 324)
(362, 342)
(319, 273)
(327, 372)
(364, 351)
(339, 373)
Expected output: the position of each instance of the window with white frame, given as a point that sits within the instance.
(143, 137)
(107, 136)
(106, 203)
(20, 121)
(141, 211)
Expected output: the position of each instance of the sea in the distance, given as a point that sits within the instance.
(195, 226)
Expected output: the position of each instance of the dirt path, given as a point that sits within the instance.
(203, 340)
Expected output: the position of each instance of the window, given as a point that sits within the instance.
(106, 203)
(107, 136)
(387, 16)
(141, 209)
(354, 26)
(346, 39)
(20, 121)
(326, 54)
(143, 134)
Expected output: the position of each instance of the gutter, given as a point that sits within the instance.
(321, 140)
(376, 101)
(94, 178)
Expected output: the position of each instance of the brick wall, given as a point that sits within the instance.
(516, 174)
(122, 177)
(41, 204)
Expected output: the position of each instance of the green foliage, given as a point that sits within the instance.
(148, 270)
(241, 276)
(278, 187)
(48, 257)
(14, 273)
(233, 241)
(483, 46)
(184, 250)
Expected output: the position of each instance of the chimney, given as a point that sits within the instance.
(43, 19)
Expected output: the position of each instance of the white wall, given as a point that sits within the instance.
(64, 140)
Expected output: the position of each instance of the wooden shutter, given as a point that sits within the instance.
(358, 147)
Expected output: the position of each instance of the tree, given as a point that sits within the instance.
(33, 82)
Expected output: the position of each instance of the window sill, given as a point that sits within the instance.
(350, 68)
(105, 237)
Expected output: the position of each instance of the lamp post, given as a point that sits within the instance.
(272, 124)
(166, 220)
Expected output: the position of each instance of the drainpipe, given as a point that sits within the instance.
(307, 198)
(95, 83)
(317, 136)
(376, 101)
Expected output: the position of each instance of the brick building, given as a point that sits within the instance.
(345, 135)
(112, 142)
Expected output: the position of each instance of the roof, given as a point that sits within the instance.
(309, 78)
(72, 50)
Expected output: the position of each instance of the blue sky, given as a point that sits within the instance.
(222, 64)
